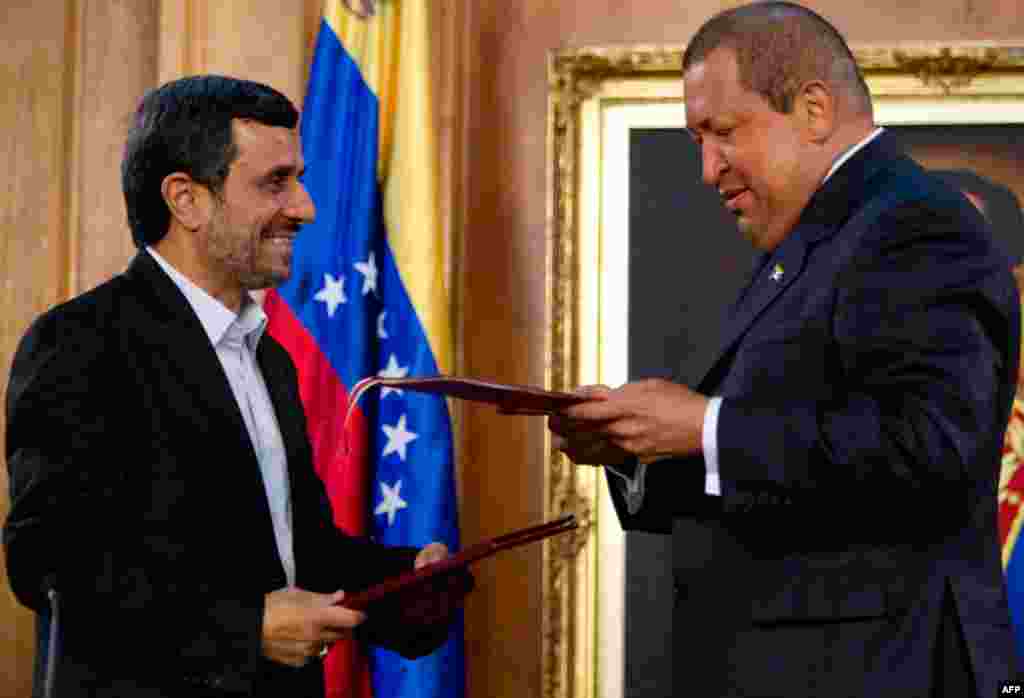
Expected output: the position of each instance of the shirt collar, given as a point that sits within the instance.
(215, 317)
(851, 152)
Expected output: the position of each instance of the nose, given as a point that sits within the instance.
(301, 206)
(712, 163)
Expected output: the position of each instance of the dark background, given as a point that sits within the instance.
(687, 263)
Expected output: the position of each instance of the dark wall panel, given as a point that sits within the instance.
(687, 263)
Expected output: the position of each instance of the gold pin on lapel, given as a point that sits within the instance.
(777, 272)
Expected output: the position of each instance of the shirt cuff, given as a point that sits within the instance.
(709, 444)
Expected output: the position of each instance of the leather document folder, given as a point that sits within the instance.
(507, 397)
(518, 399)
(435, 577)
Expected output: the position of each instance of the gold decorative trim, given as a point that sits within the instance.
(364, 9)
(577, 73)
(947, 68)
(572, 80)
(980, 82)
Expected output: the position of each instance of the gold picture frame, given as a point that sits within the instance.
(911, 84)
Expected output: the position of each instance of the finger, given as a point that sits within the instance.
(596, 411)
(294, 656)
(331, 635)
(326, 600)
(593, 392)
(435, 552)
(340, 618)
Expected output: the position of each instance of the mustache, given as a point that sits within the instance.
(276, 230)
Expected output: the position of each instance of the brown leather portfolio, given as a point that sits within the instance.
(508, 397)
(439, 577)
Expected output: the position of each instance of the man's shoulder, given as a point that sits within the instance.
(904, 193)
(92, 303)
(88, 316)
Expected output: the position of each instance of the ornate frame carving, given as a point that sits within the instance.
(978, 82)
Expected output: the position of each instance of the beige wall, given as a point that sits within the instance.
(73, 71)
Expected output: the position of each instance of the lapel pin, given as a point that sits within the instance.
(777, 272)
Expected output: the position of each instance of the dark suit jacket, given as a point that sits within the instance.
(866, 389)
(134, 483)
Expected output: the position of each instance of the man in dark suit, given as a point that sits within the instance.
(160, 471)
(830, 485)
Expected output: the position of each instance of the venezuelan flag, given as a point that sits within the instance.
(367, 296)
(1011, 517)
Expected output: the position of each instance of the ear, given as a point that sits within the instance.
(816, 106)
(186, 199)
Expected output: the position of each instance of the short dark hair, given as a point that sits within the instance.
(779, 46)
(185, 126)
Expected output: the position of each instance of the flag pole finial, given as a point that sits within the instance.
(362, 8)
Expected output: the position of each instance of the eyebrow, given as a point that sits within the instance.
(284, 171)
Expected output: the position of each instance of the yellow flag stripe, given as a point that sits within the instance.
(392, 50)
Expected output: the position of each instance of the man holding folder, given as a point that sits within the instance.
(831, 483)
(160, 470)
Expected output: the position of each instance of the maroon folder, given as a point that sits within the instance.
(440, 576)
(509, 398)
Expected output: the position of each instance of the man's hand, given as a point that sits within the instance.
(584, 441)
(435, 552)
(298, 625)
(648, 419)
(436, 601)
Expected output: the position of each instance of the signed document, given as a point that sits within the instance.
(451, 574)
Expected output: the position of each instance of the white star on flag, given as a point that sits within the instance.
(398, 438)
(392, 501)
(392, 370)
(333, 293)
(369, 271)
(381, 332)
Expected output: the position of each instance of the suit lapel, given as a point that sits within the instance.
(826, 212)
(780, 270)
(176, 333)
(198, 387)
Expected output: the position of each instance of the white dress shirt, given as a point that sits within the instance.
(634, 486)
(235, 338)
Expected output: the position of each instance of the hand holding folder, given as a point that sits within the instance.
(433, 590)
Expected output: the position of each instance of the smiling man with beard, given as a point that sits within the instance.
(161, 475)
(830, 484)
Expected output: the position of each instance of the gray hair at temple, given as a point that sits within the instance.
(779, 47)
